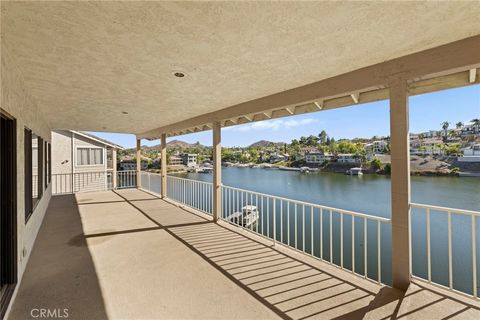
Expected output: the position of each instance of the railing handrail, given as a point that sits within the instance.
(86, 172)
(445, 209)
(184, 179)
(150, 173)
(309, 204)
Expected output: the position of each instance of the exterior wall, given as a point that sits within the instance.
(190, 160)
(347, 158)
(469, 159)
(473, 151)
(19, 104)
(317, 157)
(62, 152)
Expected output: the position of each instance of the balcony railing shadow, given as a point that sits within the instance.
(294, 288)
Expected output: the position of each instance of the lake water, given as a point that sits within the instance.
(368, 194)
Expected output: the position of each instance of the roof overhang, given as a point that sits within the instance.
(109, 66)
(97, 139)
(449, 66)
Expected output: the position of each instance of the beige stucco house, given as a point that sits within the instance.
(81, 161)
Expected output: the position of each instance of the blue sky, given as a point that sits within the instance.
(427, 111)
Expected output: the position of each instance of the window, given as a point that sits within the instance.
(28, 172)
(89, 156)
(33, 149)
(47, 164)
(49, 153)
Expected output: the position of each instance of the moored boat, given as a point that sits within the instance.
(246, 218)
(354, 171)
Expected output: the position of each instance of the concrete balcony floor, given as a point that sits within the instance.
(130, 255)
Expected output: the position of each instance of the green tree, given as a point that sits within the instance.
(254, 154)
(459, 125)
(453, 149)
(387, 169)
(323, 137)
(303, 140)
(312, 140)
(347, 147)
(376, 164)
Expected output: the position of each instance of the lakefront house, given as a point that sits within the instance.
(317, 157)
(471, 154)
(347, 158)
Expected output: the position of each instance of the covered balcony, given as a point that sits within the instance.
(129, 254)
(138, 245)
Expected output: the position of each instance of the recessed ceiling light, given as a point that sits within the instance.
(179, 74)
(124, 112)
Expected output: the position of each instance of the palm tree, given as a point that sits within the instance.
(459, 125)
(445, 126)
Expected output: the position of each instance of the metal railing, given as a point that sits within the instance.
(64, 183)
(151, 181)
(347, 239)
(126, 179)
(455, 234)
(192, 193)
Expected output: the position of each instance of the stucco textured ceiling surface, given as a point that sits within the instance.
(86, 62)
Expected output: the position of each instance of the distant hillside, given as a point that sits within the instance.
(171, 144)
(265, 143)
(182, 144)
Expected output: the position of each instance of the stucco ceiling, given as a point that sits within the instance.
(86, 63)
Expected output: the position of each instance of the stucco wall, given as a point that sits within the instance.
(16, 101)
(61, 152)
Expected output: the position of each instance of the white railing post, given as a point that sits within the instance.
(217, 171)
(400, 184)
(450, 268)
(114, 168)
(429, 256)
(163, 165)
(139, 163)
(274, 221)
(474, 257)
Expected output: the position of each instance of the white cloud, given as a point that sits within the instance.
(273, 125)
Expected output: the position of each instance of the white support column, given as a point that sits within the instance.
(114, 168)
(139, 163)
(163, 164)
(400, 184)
(217, 171)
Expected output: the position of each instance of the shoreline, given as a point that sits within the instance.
(342, 168)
